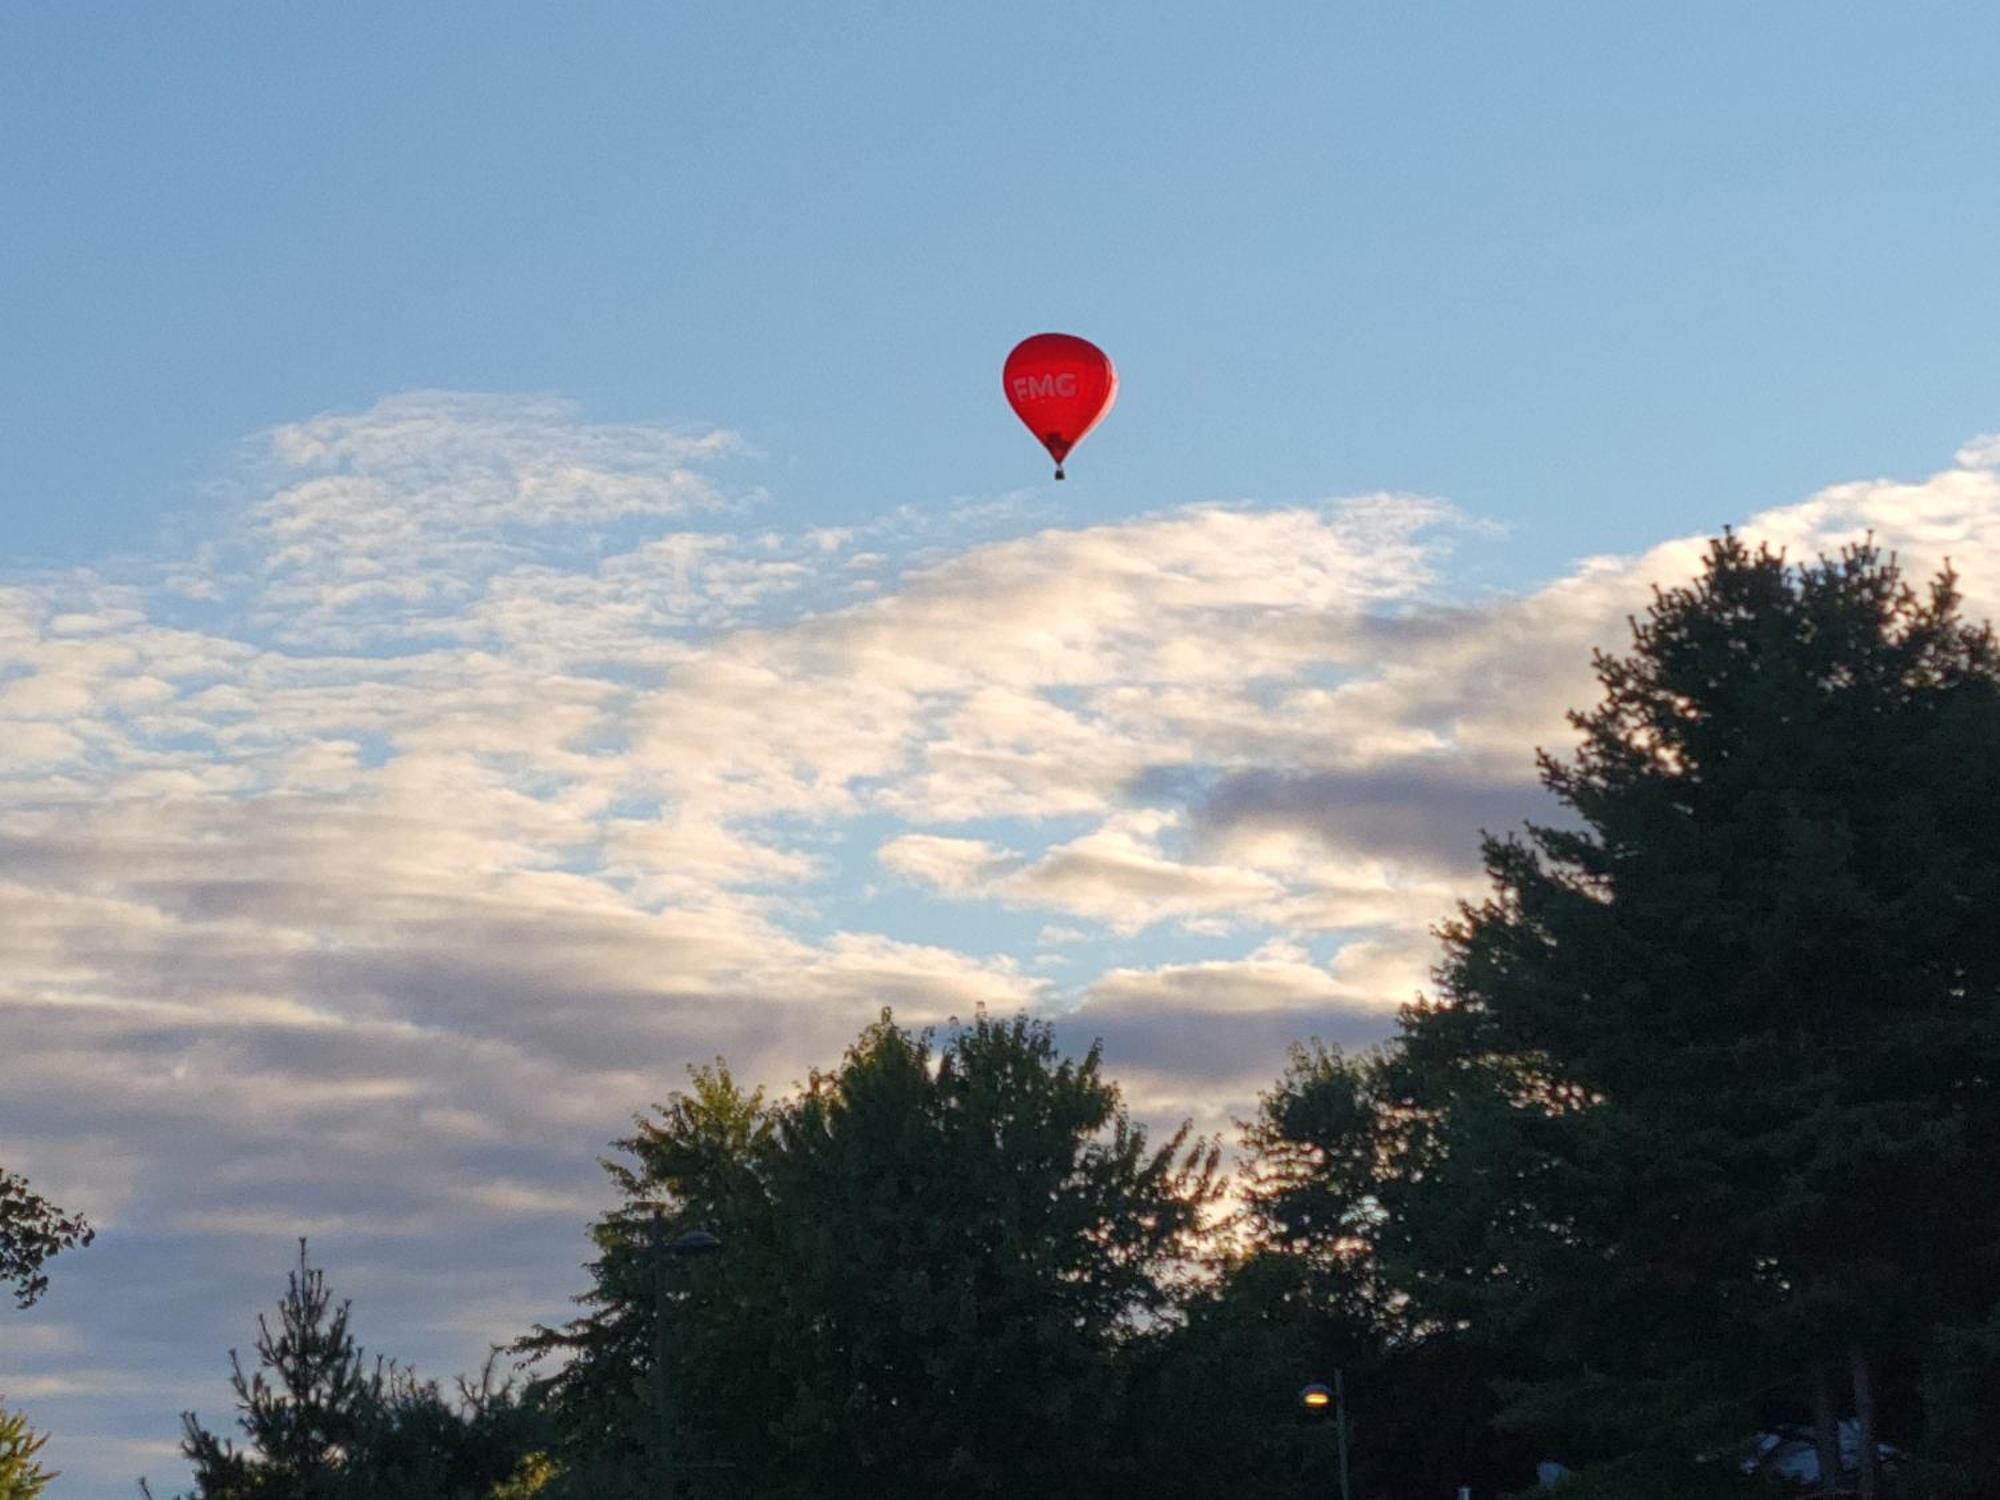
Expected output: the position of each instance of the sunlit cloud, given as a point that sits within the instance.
(362, 870)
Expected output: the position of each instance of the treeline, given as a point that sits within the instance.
(1682, 1182)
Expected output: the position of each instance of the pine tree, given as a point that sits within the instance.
(301, 1410)
(21, 1476)
(320, 1421)
(1719, 1058)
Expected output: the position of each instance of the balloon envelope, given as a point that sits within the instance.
(1060, 386)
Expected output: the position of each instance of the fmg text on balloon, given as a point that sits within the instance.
(1029, 387)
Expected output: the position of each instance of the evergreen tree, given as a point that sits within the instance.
(1717, 1061)
(21, 1476)
(301, 1410)
(320, 1422)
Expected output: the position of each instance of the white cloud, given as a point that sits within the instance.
(955, 866)
(364, 870)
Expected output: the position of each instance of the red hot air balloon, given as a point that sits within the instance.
(1061, 386)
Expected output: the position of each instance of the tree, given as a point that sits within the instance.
(1725, 1050)
(696, 1163)
(32, 1230)
(416, 1443)
(1326, 1213)
(1211, 1403)
(937, 1260)
(1960, 1459)
(21, 1476)
(302, 1410)
(320, 1421)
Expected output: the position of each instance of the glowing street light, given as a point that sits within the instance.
(1317, 1398)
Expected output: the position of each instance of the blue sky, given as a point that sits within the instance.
(1571, 265)
(519, 574)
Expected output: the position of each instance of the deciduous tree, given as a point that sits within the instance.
(32, 1230)
(935, 1258)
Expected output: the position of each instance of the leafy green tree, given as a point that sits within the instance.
(1717, 1060)
(31, 1231)
(1316, 1162)
(1325, 1195)
(532, 1476)
(980, 1238)
(415, 1442)
(936, 1262)
(21, 1476)
(1211, 1403)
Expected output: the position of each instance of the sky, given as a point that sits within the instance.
(519, 577)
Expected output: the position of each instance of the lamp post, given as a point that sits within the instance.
(1317, 1397)
(658, 1249)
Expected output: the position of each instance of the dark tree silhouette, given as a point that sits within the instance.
(300, 1410)
(32, 1230)
(1715, 1069)
(935, 1260)
(320, 1422)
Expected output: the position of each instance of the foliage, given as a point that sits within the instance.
(929, 1253)
(1327, 1195)
(414, 1442)
(531, 1476)
(1715, 1061)
(31, 1231)
(301, 1410)
(319, 1421)
(1959, 1458)
(1690, 1130)
(700, 1154)
(21, 1476)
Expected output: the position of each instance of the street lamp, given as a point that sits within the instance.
(1317, 1398)
(694, 1242)
(659, 1249)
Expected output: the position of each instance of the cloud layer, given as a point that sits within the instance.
(364, 868)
